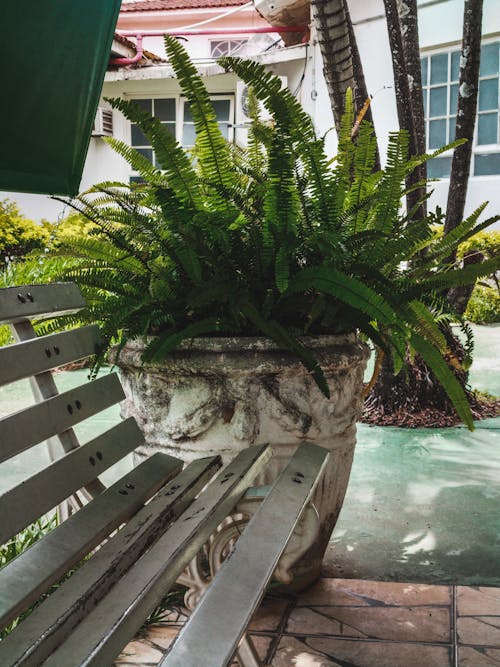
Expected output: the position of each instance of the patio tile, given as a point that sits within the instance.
(262, 644)
(327, 652)
(481, 630)
(424, 624)
(472, 600)
(149, 648)
(352, 592)
(138, 652)
(268, 617)
(477, 656)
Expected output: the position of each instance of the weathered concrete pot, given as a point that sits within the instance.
(220, 395)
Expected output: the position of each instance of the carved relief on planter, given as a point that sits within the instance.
(220, 395)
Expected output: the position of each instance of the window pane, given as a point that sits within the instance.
(437, 133)
(439, 68)
(487, 164)
(222, 108)
(487, 126)
(438, 102)
(425, 93)
(144, 104)
(440, 167)
(489, 59)
(188, 116)
(452, 127)
(455, 66)
(170, 127)
(188, 134)
(424, 63)
(147, 152)
(488, 94)
(224, 128)
(164, 109)
(219, 48)
(138, 138)
(136, 179)
(453, 99)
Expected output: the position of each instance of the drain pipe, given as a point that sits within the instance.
(213, 31)
(130, 61)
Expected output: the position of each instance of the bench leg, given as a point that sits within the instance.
(205, 565)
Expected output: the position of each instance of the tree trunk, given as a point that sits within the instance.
(415, 390)
(466, 122)
(341, 61)
(402, 26)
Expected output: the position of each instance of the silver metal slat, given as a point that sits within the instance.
(211, 636)
(26, 301)
(29, 575)
(20, 360)
(40, 493)
(43, 386)
(40, 421)
(90, 584)
(101, 635)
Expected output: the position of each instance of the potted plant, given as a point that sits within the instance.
(238, 288)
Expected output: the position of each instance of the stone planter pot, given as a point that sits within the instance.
(220, 395)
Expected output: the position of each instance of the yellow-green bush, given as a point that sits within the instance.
(19, 236)
(484, 304)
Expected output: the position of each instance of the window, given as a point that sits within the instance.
(175, 115)
(164, 110)
(227, 47)
(224, 112)
(440, 75)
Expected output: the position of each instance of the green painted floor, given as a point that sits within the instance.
(422, 505)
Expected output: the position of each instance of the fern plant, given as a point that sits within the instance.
(275, 240)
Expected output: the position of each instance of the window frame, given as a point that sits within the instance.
(427, 87)
(180, 101)
(238, 50)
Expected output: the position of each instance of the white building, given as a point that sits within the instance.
(216, 27)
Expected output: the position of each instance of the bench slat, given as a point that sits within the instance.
(101, 635)
(225, 610)
(20, 360)
(29, 575)
(42, 420)
(40, 493)
(18, 303)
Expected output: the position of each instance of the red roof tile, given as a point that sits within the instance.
(158, 5)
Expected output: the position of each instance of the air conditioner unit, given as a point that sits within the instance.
(103, 123)
(241, 116)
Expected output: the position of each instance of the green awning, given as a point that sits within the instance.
(54, 58)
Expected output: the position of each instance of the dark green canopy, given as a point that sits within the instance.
(54, 54)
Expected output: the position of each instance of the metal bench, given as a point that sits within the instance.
(124, 546)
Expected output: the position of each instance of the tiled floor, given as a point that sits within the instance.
(356, 623)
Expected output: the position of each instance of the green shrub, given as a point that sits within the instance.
(487, 243)
(484, 305)
(20, 543)
(19, 236)
(5, 335)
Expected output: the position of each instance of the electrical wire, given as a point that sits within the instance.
(303, 76)
(233, 10)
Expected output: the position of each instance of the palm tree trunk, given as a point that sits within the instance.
(341, 61)
(466, 121)
(402, 25)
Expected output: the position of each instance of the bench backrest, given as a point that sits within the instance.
(74, 469)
